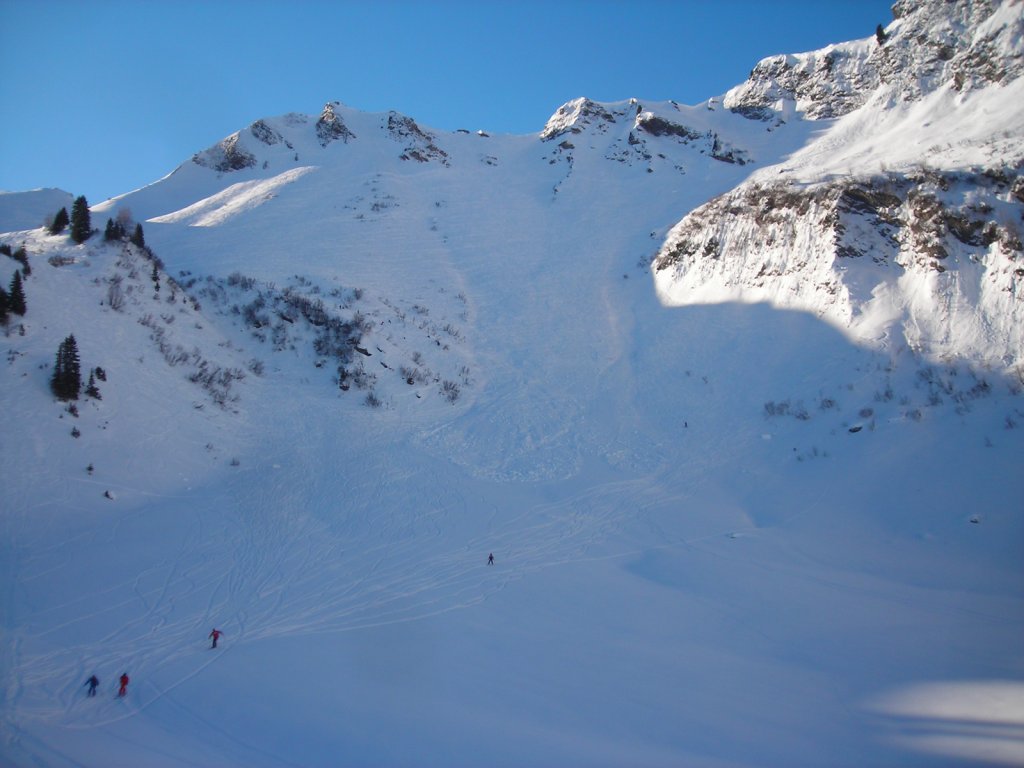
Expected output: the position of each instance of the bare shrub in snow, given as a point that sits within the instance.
(360, 321)
(450, 390)
(115, 293)
(216, 381)
(238, 280)
(413, 375)
(254, 314)
(337, 339)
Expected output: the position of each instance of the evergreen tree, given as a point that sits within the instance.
(67, 372)
(4, 307)
(138, 238)
(114, 231)
(21, 256)
(91, 389)
(81, 223)
(60, 222)
(880, 35)
(16, 296)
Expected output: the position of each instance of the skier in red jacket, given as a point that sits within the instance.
(124, 685)
(215, 634)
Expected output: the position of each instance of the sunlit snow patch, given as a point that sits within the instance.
(234, 200)
(978, 720)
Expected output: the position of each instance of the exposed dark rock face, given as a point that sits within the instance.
(657, 126)
(330, 127)
(226, 156)
(421, 145)
(933, 251)
(265, 134)
(892, 219)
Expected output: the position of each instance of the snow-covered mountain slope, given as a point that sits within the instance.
(28, 210)
(358, 355)
(902, 222)
(482, 220)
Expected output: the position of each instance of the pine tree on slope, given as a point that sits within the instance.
(16, 296)
(60, 222)
(67, 373)
(91, 390)
(21, 256)
(138, 238)
(81, 223)
(114, 231)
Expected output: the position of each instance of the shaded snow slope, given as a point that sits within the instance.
(28, 210)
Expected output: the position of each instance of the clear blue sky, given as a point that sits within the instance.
(101, 97)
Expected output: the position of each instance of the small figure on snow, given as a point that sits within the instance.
(92, 682)
(215, 634)
(490, 559)
(124, 685)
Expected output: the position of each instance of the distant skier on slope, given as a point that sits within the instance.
(92, 682)
(490, 559)
(215, 634)
(124, 685)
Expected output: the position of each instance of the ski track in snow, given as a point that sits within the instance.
(269, 580)
(271, 589)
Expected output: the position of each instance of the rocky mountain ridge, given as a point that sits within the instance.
(936, 255)
(966, 44)
(901, 222)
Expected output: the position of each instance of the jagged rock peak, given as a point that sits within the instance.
(966, 44)
(330, 127)
(226, 155)
(421, 144)
(576, 115)
(265, 134)
(931, 43)
(823, 84)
